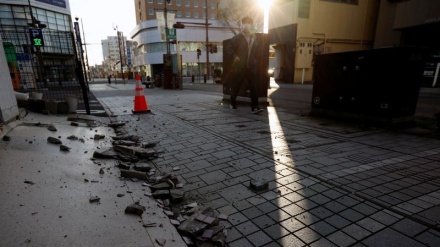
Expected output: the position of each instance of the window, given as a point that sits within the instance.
(178, 2)
(212, 16)
(196, 15)
(187, 3)
(159, 1)
(204, 15)
(212, 5)
(204, 5)
(179, 13)
(196, 4)
(304, 9)
(150, 1)
(150, 11)
(353, 2)
(170, 3)
(188, 14)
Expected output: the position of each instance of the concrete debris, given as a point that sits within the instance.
(139, 152)
(101, 171)
(135, 209)
(106, 153)
(6, 138)
(207, 233)
(116, 124)
(161, 186)
(223, 216)
(175, 222)
(176, 168)
(94, 199)
(188, 241)
(64, 148)
(51, 128)
(193, 227)
(161, 241)
(142, 167)
(133, 174)
(161, 194)
(259, 185)
(72, 137)
(125, 143)
(124, 166)
(120, 195)
(98, 137)
(127, 138)
(54, 140)
(191, 205)
(149, 145)
(176, 196)
(74, 124)
(29, 182)
(149, 225)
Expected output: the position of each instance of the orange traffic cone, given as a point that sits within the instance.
(140, 103)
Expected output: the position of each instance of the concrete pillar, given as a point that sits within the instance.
(8, 102)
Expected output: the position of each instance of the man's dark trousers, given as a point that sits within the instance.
(246, 77)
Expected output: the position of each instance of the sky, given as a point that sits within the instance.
(99, 17)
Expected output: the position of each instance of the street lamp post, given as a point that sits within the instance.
(207, 39)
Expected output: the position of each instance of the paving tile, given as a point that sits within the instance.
(370, 224)
(267, 207)
(240, 243)
(319, 199)
(276, 231)
(237, 218)
(292, 224)
(228, 210)
(223, 154)
(341, 239)
(259, 238)
(291, 241)
(408, 227)
(429, 238)
(384, 218)
(252, 212)
(293, 209)
(272, 244)
(241, 205)
(307, 235)
(335, 206)
(322, 242)
(256, 200)
(351, 215)
(337, 221)
(390, 238)
(356, 232)
(307, 218)
(240, 192)
(365, 209)
(321, 212)
(323, 228)
(214, 177)
(294, 197)
(279, 215)
(233, 234)
(307, 204)
(247, 227)
(263, 221)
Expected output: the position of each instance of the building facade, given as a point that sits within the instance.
(300, 29)
(114, 49)
(148, 54)
(48, 60)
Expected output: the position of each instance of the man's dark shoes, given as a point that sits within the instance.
(234, 108)
(256, 110)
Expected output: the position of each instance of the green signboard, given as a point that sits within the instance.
(36, 35)
(171, 33)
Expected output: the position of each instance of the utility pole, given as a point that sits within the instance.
(207, 40)
(120, 52)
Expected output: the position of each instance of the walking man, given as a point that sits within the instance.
(243, 48)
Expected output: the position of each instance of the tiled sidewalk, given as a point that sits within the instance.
(330, 185)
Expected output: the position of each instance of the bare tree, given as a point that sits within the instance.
(231, 12)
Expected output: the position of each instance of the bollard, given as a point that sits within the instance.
(204, 78)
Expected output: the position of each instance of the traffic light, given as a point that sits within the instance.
(178, 25)
(210, 48)
(214, 48)
(199, 52)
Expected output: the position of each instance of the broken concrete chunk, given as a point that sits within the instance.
(125, 143)
(64, 148)
(120, 195)
(135, 151)
(176, 196)
(161, 194)
(51, 128)
(72, 137)
(74, 124)
(127, 138)
(193, 227)
(106, 153)
(6, 138)
(191, 205)
(94, 199)
(223, 217)
(124, 166)
(135, 209)
(116, 124)
(98, 137)
(54, 140)
(188, 241)
(161, 241)
(205, 219)
(207, 234)
(28, 182)
(259, 185)
(143, 167)
(133, 174)
(161, 186)
(149, 145)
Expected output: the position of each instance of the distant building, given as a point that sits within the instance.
(148, 54)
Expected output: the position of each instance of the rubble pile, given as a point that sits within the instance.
(199, 226)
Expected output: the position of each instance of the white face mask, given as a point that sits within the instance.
(246, 27)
